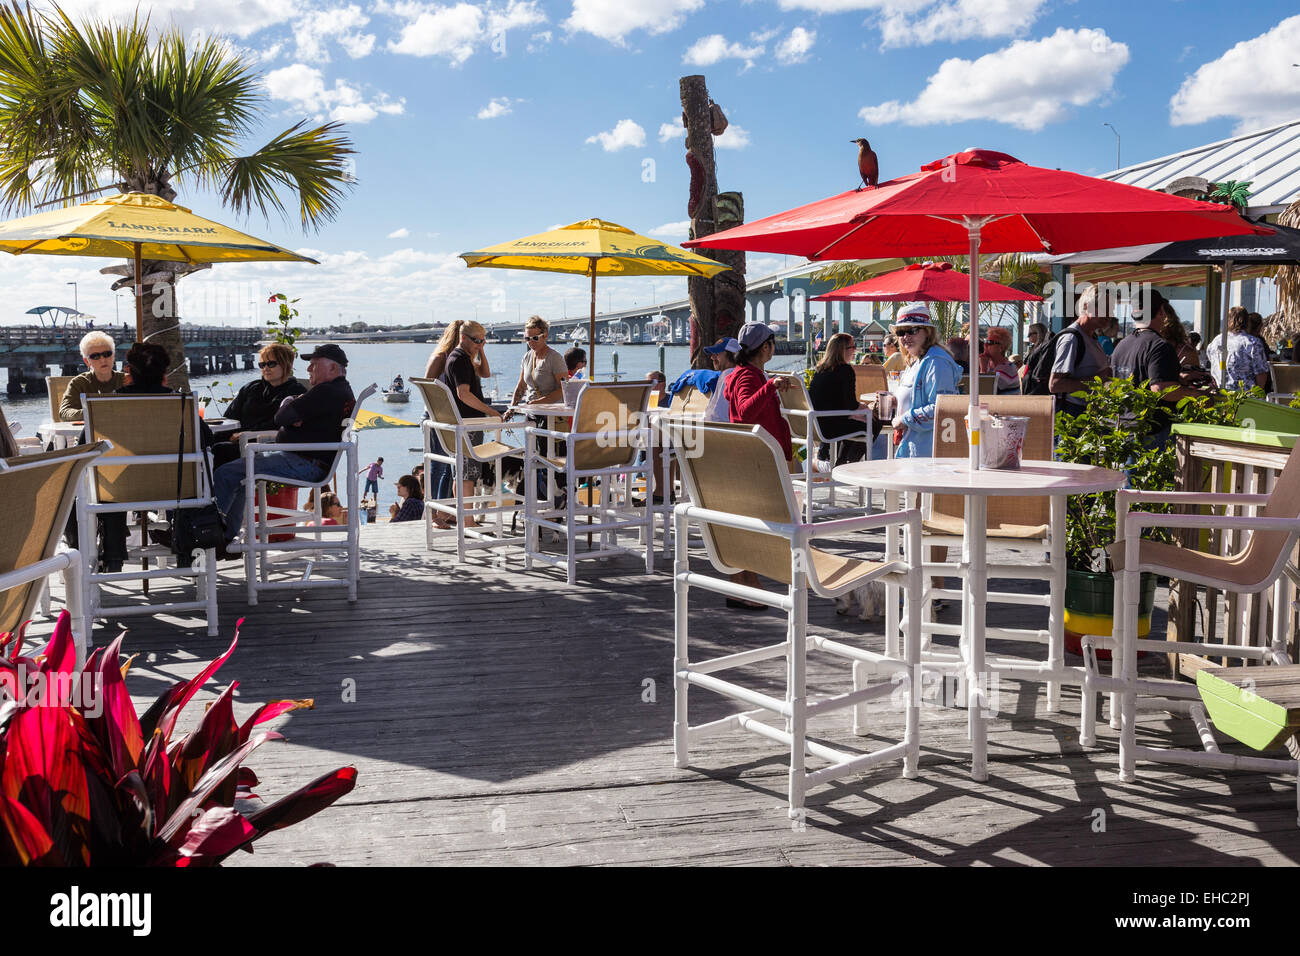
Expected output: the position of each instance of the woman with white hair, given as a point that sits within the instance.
(97, 351)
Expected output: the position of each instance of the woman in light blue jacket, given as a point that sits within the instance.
(933, 372)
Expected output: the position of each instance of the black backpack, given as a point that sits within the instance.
(1040, 363)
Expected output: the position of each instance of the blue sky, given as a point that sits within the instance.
(481, 122)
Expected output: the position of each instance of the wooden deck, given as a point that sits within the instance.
(502, 717)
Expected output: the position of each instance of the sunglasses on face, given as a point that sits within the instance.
(476, 341)
(270, 364)
(904, 333)
(530, 338)
(96, 356)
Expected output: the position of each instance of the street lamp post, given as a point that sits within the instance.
(75, 307)
(1116, 132)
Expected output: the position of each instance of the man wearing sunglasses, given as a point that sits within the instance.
(97, 351)
(314, 417)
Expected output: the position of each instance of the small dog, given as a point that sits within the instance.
(870, 599)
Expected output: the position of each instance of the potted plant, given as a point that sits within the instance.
(282, 330)
(1114, 432)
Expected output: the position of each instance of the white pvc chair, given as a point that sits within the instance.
(609, 431)
(743, 502)
(313, 546)
(454, 432)
(806, 432)
(38, 491)
(139, 474)
(1273, 532)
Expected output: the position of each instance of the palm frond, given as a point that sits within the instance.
(311, 162)
(1286, 321)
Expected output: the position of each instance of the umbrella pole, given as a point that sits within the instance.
(1223, 323)
(591, 325)
(139, 296)
(973, 343)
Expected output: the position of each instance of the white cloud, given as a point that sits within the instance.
(921, 22)
(451, 32)
(456, 32)
(671, 130)
(625, 133)
(956, 20)
(673, 230)
(833, 6)
(1028, 84)
(1253, 83)
(539, 41)
(313, 30)
(304, 88)
(795, 47)
(239, 18)
(517, 15)
(714, 48)
(399, 233)
(498, 106)
(735, 137)
(614, 19)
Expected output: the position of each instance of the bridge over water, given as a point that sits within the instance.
(28, 352)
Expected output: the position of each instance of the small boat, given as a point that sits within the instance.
(397, 392)
(579, 335)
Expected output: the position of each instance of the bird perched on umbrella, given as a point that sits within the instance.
(868, 165)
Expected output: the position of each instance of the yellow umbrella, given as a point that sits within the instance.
(377, 420)
(136, 226)
(594, 247)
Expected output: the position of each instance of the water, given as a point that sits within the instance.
(378, 363)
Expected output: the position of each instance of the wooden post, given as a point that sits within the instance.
(718, 304)
(1182, 594)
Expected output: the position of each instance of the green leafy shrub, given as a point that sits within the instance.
(1115, 432)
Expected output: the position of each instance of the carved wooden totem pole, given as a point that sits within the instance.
(717, 304)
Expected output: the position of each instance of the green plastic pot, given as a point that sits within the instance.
(1090, 607)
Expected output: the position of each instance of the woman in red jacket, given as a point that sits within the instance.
(751, 394)
(752, 397)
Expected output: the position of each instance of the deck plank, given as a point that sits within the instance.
(497, 717)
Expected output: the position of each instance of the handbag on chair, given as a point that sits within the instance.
(193, 528)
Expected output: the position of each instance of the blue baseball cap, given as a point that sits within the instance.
(723, 345)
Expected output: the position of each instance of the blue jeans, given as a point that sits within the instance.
(371, 485)
(228, 482)
(437, 479)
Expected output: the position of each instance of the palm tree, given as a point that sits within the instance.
(98, 106)
(1013, 270)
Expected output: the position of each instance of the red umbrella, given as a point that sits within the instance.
(980, 199)
(925, 282)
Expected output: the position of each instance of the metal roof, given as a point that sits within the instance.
(1268, 159)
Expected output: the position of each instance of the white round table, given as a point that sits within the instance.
(931, 476)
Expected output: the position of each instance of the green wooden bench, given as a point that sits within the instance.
(1259, 706)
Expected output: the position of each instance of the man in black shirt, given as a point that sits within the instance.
(1145, 356)
(313, 417)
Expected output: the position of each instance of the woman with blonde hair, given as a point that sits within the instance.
(451, 337)
(438, 481)
(255, 404)
(834, 387)
(463, 368)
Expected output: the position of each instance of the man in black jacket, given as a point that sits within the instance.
(313, 417)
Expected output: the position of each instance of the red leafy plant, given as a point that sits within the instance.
(85, 781)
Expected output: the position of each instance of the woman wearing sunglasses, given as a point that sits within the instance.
(466, 364)
(257, 402)
(97, 352)
(932, 372)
